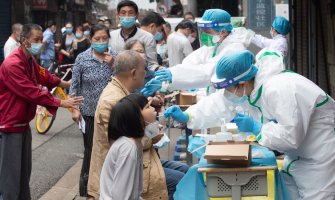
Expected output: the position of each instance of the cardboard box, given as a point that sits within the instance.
(229, 153)
(186, 99)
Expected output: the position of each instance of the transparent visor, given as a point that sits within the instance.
(228, 82)
(208, 36)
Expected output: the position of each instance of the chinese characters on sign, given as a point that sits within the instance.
(260, 14)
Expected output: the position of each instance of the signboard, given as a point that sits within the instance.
(282, 10)
(40, 4)
(260, 14)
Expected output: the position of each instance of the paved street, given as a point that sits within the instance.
(54, 153)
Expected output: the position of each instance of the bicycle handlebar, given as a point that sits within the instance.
(65, 66)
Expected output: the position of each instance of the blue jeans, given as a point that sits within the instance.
(174, 172)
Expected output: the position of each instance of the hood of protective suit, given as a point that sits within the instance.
(240, 35)
(269, 63)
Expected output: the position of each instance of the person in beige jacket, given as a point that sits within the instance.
(129, 69)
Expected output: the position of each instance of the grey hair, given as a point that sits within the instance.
(27, 28)
(126, 61)
(130, 43)
(16, 27)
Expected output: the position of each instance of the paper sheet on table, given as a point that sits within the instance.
(82, 125)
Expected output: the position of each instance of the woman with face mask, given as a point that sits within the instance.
(66, 47)
(91, 72)
(86, 32)
(80, 44)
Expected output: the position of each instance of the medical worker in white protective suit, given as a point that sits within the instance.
(217, 38)
(280, 28)
(289, 113)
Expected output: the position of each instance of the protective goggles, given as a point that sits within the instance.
(228, 82)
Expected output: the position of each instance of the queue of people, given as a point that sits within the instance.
(117, 72)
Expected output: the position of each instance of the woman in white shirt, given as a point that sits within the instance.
(122, 173)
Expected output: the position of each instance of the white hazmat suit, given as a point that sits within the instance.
(298, 119)
(277, 43)
(197, 68)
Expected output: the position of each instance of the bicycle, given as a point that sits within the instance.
(44, 119)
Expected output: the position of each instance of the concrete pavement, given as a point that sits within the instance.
(54, 153)
(62, 121)
(67, 187)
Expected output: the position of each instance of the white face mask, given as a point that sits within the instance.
(163, 142)
(232, 97)
(152, 129)
(191, 39)
(216, 38)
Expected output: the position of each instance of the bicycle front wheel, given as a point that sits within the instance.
(44, 120)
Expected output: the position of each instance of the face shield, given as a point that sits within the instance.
(209, 32)
(229, 82)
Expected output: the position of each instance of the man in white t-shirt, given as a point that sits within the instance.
(178, 45)
(13, 41)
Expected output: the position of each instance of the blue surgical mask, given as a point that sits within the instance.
(68, 30)
(79, 35)
(100, 47)
(232, 97)
(158, 36)
(35, 48)
(86, 32)
(127, 22)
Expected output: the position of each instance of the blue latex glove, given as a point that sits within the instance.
(247, 124)
(163, 75)
(151, 87)
(176, 113)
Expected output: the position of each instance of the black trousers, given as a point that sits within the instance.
(88, 143)
(15, 165)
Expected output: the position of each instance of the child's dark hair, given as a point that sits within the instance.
(126, 117)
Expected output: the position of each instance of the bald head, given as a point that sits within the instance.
(129, 68)
(16, 31)
(126, 61)
(17, 27)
